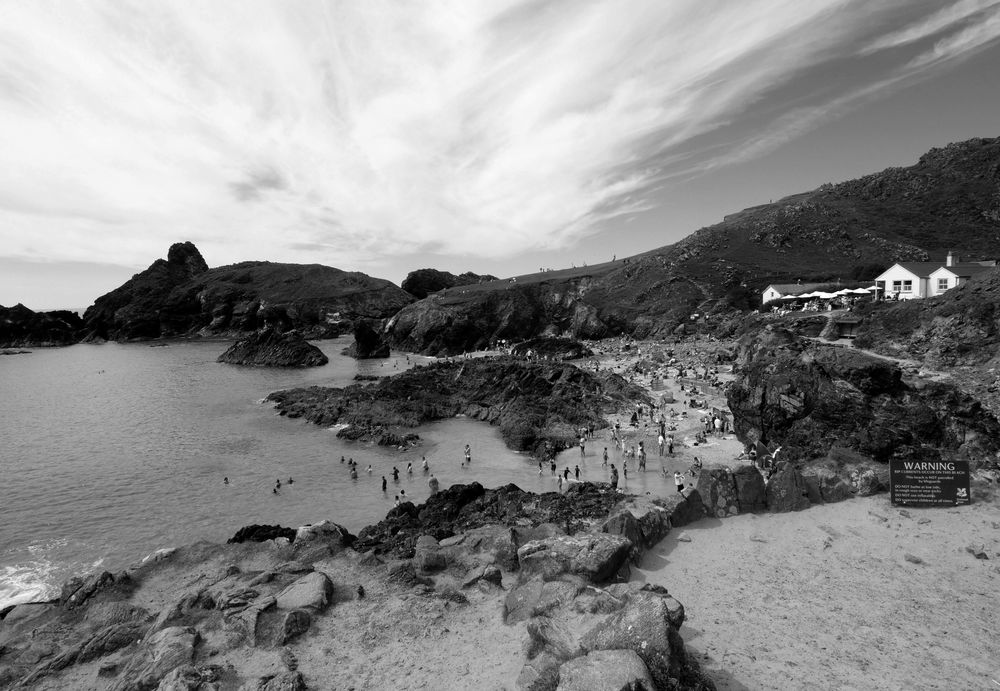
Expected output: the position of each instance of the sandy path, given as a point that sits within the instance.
(825, 598)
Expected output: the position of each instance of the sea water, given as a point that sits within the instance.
(110, 452)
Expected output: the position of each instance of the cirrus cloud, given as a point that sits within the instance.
(341, 132)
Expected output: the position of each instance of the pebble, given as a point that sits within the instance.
(913, 559)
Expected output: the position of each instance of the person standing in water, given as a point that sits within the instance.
(468, 455)
(384, 483)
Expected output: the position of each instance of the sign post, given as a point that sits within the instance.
(929, 483)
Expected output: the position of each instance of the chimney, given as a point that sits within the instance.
(951, 259)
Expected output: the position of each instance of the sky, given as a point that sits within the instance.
(495, 136)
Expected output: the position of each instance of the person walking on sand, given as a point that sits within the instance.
(583, 441)
(576, 472)
(409, 468)
(660, 443)
(614, 478)
(423, 463)
(605, 463)
(679, 482)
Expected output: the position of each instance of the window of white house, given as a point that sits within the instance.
(942, 284)
(880, 285)
(907, 286)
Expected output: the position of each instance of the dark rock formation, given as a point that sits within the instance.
(269, 348)
(132, 311)
(538, 406)
(808, 398)
(20, 327)
(553, 349)
(461, 508)
(368, 342)
(181, 296)
(259, 533)
(422, 282)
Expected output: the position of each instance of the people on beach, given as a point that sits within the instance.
(409, 468)
(423, 464)
(354, 473)
(583, 442)
(576, 472)
(384, 483)
(395, 474)
(679, 482)
(614, 477)
(605, 461)
(468, 455)
(433, 484)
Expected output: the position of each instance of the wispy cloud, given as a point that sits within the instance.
(343, 131)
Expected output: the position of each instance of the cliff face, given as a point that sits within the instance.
(21, 327)
(131, 311)
(949, 200)
(182, 296)
(808, 398)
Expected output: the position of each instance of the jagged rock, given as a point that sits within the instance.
(683, 510)
(286, 681)
(368, 343)
(750, 489)
(717, 488)
(160, 653)
(520, 601)
(110, 639)
(295, 623)
(642, 626)
(269, 348)
(786, 491)
(428, 558)
(597, 557)
(866, 482)
(77, 591)
(829, 486)
(192, 678)
(618, 670)
(259, 533)
(808, 397)
(553, 348)
(312, 591)
(327, 531)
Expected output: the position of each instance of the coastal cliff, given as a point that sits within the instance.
(181, 296)
(21, 327)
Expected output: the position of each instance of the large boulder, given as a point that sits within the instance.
(610, 670)
(21, 327)
(787, 490)
(260, 533)
(312, 591)
(826, 485)
(270, 348)
(808, 398)
(597, 557)
(160, 654)
(717, 488)
(368, 342)
(683, 509)
(750, 489)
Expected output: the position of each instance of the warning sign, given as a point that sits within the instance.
(929, 483)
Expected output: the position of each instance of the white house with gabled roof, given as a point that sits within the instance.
(909, 280)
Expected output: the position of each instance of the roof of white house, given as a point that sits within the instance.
(921, 269)
(966, 269)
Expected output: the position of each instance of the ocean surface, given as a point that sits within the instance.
(110, 452)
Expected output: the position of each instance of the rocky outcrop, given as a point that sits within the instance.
(20, 327)
(552, 349)
(368, 342)
(538, 406)
(181, 296)
(423, 282)
(808, 398)
(132, 311)
(269, 348)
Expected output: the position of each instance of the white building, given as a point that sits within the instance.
(908, 280)
(780, 290)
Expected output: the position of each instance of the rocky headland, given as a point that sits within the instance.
(423, 282)
(21, 327)
(368, 342)
(538, 406)
(181, 297)
(270, 348)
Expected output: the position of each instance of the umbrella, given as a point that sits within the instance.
(873, 289)
(813, 294)
(824, 296)
(860, 291)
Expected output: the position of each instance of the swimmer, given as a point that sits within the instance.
(409, 468)
(274, 490)
(369, 469)
(342, 459)
(423, 463)
(277, 483)
(225, 480)
(354, 474)
(290, 480)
